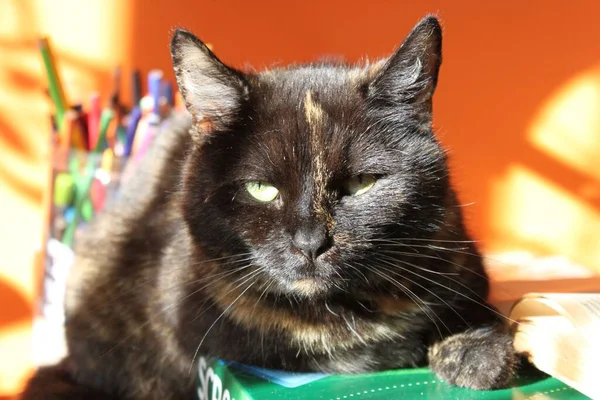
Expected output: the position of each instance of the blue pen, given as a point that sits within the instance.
(154, 80)
(134, 119)
(136, 85)
(167, 93)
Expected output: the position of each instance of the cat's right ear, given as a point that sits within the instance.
(212, 91)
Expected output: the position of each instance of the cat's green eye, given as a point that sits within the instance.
(360, 184)
(262, 191)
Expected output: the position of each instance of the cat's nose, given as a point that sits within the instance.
(311, 240)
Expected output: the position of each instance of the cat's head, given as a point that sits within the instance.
(304, 172)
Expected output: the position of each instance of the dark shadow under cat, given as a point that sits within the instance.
(300, 218)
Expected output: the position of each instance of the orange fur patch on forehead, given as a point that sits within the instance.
(315, 115)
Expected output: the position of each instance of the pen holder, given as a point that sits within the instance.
(83, 184)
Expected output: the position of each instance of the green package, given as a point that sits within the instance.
(218, 380)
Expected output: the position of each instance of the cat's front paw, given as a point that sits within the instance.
(480, 359)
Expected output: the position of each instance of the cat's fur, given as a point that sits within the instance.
(189, 264)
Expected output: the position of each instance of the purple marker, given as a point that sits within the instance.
(134, 119)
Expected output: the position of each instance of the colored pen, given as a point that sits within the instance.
(82, 125)
(154, 83)
(147, 105)
(94, 121)
(107, 116)
(146, 140)
(134, 119)
(140, 134)
(167, 93)
(115, 100)
(136, 85)
(67, 129)
(55, 85)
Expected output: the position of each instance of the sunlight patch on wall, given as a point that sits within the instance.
(531, 213)
(13, 339)
(95, 30)
(568, 128)
(553, 208)
(93, 41)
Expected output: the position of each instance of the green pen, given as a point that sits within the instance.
(55, 86)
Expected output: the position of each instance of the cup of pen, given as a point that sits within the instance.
(83, 184)
(94, 148)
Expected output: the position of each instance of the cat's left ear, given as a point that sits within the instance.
(410, 74)
(213, 92)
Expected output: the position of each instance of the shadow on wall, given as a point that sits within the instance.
(16, 308)
(20, 151)
(16, 313)
(23, 97)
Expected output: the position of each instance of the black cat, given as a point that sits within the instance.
(303, 219)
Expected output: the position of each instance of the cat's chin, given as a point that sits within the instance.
(312, 287)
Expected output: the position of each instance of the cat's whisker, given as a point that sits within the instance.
(213, 279)
(413, 296)
(433, 247)
(462, 251)
(220, 275)
(270, 282)
(481, 303)
(404, 239)
(245, 279)
(400, 242)
(416, 252)
(428, 290)
(386, 255)
(440, 240)
(339, 275)
(358, 271)
(482, 299)
(365, 307)
(337, 286)
(175, 304)
(329, 309)
(353, 330)
(223, 258)
(442, 260)
(213, 324)
(140, 284)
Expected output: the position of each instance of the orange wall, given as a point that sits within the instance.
(518, 104)
(505, 63)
